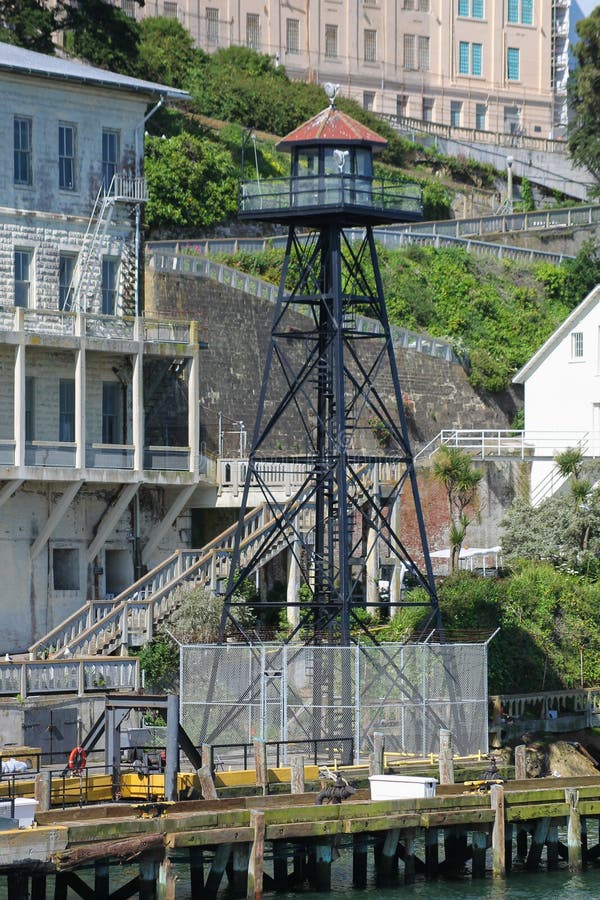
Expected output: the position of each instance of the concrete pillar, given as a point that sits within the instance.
(80, 392)
(293, 583)
(172, 750)
(372, 568)
(137, 399)
(19, 405)
(396, 577)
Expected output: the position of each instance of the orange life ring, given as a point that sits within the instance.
(77, 760)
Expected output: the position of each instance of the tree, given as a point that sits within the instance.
(166, 52)
(102, 34)
(453, 468)
(192, 183)
(28, 23)
(584, 95)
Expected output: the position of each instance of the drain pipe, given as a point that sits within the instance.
(138, 149)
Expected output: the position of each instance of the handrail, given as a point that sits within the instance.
(512, 442)
(75, 675)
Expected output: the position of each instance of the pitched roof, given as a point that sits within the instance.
(332, 126)
(572, 319)
(27, 62)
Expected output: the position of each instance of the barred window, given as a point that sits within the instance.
(520, 12)
(253, 31)
(401, 105)
(331, 41)
(170, 9)
(368, 99)
(409, 51)
(370, 45)
(22, 277)
(212, 25)
(423, 5)
(128, 7)
(455, 113)
(577, 345)
(424, 54)
(22, 150)
(292, 36)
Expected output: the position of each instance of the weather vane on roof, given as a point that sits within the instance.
(332, 91)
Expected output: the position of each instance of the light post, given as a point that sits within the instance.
(509, 184)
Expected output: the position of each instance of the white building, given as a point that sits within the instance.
(92, 480)
(562, 394)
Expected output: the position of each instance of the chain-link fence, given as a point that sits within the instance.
(233, 694)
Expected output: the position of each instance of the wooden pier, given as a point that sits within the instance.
(259, 844)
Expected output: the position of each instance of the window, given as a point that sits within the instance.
(520, 12)
(455, 113)
(469, 58)
(110, 156)
(22, 150)
(423, 54)
(513, 63)
(66, 410)
(427, 109)
(65, 569)
(368, 99)
(170, 9)
(212, 25)
(29, 408)
(111, 418)
(370, 36)
(331, 36)
(577, 345)
(401, 106)
(128, 7)
(66, 157)
(472, 8)
(66, 271)
(409, 51)
(292, 36)
(419, 5)
(22, 285)
(110, 268)
(480, 116)
(253, 31)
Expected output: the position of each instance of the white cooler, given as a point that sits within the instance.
(398, 787)
(24, 810)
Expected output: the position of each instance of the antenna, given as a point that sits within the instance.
(332, 91)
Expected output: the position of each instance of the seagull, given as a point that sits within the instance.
(67, 652)
(8, 658)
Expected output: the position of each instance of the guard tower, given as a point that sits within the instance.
(331, 381)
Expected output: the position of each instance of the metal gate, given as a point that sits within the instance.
(232, 694)
(52, 729)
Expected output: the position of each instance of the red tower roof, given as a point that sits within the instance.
(331, 126)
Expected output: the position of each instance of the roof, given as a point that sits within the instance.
(27, 62)
(556, 337)
(332, 126)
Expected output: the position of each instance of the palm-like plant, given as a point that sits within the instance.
(454, 469)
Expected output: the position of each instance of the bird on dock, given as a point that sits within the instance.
(337, 791)
(492, 773)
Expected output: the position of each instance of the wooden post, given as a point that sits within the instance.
(538, 839)
(378, 753)
(323, 867)
(207, 785)
(574, 831)
(522, 843)
(508, 846)
(38, 886)
(479, 845)
(552, 846)
(446, 760)
(61, 886)
(260, 765)
(17, 883)
(148, 878)
(431, 852)
(42, 790)
(360, 849)
(257, 852)
(520, 762)
(197, 871)
(409, 856)
(206, 755)
(215, 875)
(452, 856)
(297, 774)
(167, 882)
(498, 844)
(101, 879)
(240, 855)
(386, 868)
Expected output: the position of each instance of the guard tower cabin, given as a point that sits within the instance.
(331, 179)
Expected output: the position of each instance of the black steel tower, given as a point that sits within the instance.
(331, 384)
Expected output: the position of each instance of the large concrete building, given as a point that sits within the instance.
(98, 404)
(491, 65)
